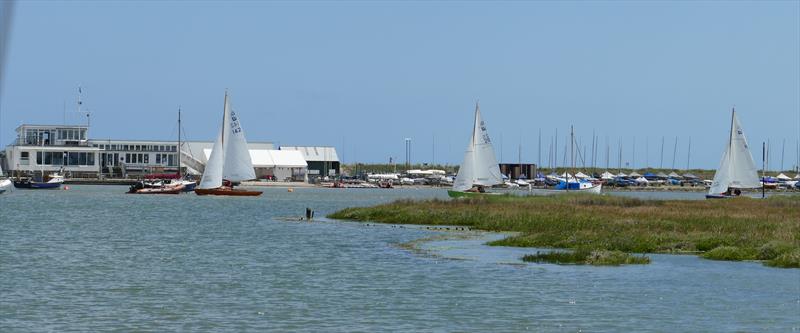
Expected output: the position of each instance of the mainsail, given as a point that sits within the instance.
(737, 169)
(480, 165)
(230, 158)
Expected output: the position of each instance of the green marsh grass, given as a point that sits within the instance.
(612, 223)
(587, 257)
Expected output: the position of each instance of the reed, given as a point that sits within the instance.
(610, 222)
(587, 257)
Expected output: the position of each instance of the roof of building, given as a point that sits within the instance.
(277, 158)
(51, 126)
(272, 158)
(315, 154)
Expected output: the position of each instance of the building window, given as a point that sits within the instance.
(58, 158)
(73, 159)
(158, 158)
(171, 160)
(146, 158)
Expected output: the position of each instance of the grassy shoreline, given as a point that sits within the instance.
(736, 229)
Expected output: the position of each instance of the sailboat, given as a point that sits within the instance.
(165, 183)
(229, 161)
(5, 183)
(736, 170)
(567, 183)
(479, 168)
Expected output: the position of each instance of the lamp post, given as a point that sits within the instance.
(408, 153)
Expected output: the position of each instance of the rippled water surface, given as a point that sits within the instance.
(93, 258)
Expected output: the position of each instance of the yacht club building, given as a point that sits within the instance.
(66, 148)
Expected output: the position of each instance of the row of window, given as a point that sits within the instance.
(163, 159)
(33, 135)
(71, 134)
(78, 158)
(62, 158)
(168, 148)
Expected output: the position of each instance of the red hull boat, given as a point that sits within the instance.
(225, 190)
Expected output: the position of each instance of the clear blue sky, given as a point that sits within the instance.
(368, 75)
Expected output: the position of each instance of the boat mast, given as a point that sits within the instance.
(730, 139)
(41, 165)
(222, 135)
(474, 126)
(571, 154)
(179, 142)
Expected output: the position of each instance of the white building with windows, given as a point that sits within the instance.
(52, 148)
(48, 148)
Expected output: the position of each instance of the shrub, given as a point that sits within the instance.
(786, 260)
(773, 249)
(731, 253)
(587, 257)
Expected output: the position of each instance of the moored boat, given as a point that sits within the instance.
(229, 161)
(166, 189)
(51, 182)
(573, 186)
(5, 184)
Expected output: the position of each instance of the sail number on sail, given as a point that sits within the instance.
(235, 123)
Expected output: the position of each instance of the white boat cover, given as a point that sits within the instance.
(581, 175)
(391, 176)
(783, 177)
(607, 175)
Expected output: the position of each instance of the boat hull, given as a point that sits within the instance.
(226, 191)
(5, 184)
(189, 186)
(596, 189)
(36, 185)
(176, 190)
(460, 194)
(719, 196)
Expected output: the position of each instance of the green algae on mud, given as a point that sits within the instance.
(616, 223)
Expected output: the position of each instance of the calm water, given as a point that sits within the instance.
(93, 258)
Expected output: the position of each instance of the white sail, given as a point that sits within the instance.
(238, 164)
(480, 165)
(737, 169)
(212, 175)
(230, 158)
